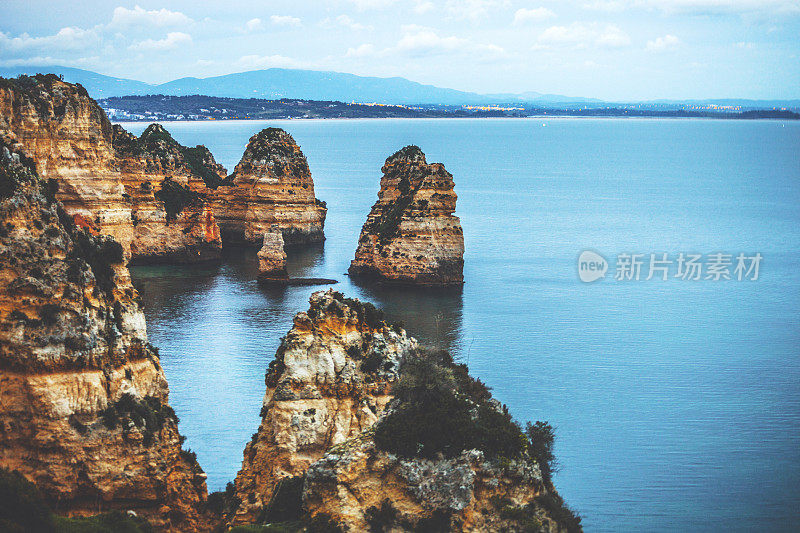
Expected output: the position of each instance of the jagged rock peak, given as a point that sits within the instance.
(411, 154)
(330, 379)
(273, 151)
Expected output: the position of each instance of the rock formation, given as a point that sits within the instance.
(69, 137)
(83, 400)
(411, 234)
(271, 185)
(272, 257)
(330, 380)
(169, 186)
(149, 193)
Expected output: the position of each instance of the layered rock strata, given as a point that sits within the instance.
(272, 257)
(411, 234)
(330, 379)
(169, 186)
(271, 185)
(149, 193)
(84, 410)
(70, 140)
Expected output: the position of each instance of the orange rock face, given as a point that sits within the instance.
(84, 410)
(411, 234)
(272, 257)
(169, 186)
(271, 185)
(149, 193)
(329, 381)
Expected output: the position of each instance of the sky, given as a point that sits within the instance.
(608, 49)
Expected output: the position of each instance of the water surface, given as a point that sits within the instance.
(677, 403)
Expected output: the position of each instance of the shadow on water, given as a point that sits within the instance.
(431, 314)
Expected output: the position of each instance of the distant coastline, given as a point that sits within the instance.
(161, 108)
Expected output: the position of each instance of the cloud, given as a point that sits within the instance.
(536, 14)
(365, 50)
(422, 7)
(363, 5)
(474, 10)
(344, 20)
(701, 7)
(266, 61)
(138, 16)
(70, 38)
(661, 44)
(582, 35)
(422, 41)
(285, 20)
(171, 41)
(253, 25)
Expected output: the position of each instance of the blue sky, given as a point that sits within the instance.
(610, 49)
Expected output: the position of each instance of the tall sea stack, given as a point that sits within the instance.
(411, 234)
(271, 185)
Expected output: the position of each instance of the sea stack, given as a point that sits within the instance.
(411, 234)
(84, 410)
(272, 257)
(329, 381)
(271, 185)
(169, 187)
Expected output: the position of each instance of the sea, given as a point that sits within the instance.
(676, 401)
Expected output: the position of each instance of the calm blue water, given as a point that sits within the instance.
(677, 403)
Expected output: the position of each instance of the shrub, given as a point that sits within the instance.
(541, 437)
(21, 505)
(381, 518)
(176, 198)
(286, 503)
(147, 414)
(555, 507)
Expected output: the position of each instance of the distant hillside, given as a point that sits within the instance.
(277, 83)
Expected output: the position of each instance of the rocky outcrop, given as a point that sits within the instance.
(271, 185)
(84, 410)
(70, 140)
(149, 193)
(169, 187)
(272, 257)
(444, 456)
(411, 234)
(330, 379)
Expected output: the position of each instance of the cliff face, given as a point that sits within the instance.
(149, 193)
(271, 185)
(169, 186)
(330, 380)
(411, 234)
(69, 137)
(84, 410)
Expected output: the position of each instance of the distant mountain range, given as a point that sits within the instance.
(277, 83)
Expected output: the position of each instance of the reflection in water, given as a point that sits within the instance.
(432, 315)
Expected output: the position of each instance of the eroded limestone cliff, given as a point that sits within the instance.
(84, 410)
(169, 187)
(411, 234)
(149, 193)
(330, 379)
(271, 185)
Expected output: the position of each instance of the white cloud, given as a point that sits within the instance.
(138, 16)
(700, 6)
(365, 50)
(474, 10)
(536, 14)
(363, 5)
(285, 20)
(267, 61)
(583, 35)
(253, 25)
(420, 41)
(70, 38)
(171, 41)
(344, 20)
(422, 7)
(745, 45)
(661, 44)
